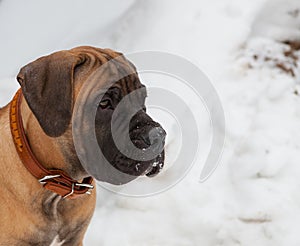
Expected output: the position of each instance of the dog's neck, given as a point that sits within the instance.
(59, 152)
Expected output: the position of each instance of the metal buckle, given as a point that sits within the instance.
(89, 186)
(43, 180)
(88, 192)
(85, 185)
(80, 185)
(69, 194)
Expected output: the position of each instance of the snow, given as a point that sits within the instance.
(267, 23)
(252, 198)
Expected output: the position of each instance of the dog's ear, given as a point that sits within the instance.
(47, 85)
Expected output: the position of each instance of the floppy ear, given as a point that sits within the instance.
(47, 85)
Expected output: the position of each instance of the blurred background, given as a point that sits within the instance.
(250, 51)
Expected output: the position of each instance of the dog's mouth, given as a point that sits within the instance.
(146, 159)
(148, 168)
(135, 168)
(148, 139)
(156, 166)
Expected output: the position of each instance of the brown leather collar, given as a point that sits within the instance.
(54, 180)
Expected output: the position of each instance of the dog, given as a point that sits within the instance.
(47, 195)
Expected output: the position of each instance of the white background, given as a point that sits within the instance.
(253, 197)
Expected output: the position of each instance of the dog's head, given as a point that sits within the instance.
(51, 85)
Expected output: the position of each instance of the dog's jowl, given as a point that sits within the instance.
(48, 195)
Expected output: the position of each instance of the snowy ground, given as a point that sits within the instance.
(252, 198)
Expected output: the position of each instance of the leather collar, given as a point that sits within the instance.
(54, 180)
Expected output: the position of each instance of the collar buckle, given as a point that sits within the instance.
(89, 186)
(47, 177)
(53, 180)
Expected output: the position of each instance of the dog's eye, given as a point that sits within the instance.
(105, 104)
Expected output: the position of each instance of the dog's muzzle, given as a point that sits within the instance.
(146, 133)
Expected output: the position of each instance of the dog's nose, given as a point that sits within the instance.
(155, 138)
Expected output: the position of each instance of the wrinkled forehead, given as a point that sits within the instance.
(104, 68)
(113, 75)
(128, 84)
(120, 73)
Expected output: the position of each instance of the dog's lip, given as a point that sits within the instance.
(155, 166)
(154, 169)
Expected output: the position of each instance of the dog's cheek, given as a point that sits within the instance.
(103, 134)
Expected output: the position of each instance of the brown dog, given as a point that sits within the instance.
(36, 141)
